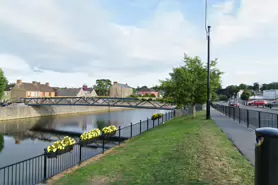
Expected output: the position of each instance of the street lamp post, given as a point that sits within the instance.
(208, 75)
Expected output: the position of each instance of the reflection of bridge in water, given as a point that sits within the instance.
(45, 128)
(95, 101)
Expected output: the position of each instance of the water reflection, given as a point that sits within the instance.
(22, 142)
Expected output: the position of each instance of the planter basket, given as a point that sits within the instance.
(59, 152)
(109, 135)
(88, 141)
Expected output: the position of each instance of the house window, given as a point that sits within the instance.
(32, 94)
(46, 94)
(5, 93)
(28, 93)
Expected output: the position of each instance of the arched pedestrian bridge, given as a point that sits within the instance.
(98, 101)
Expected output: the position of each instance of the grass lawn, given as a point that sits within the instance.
(182, 151)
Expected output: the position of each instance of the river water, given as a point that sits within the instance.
(18, 143)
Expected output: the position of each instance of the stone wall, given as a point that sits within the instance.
(8, 113)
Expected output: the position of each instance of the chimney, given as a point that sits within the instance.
(47, 83)
(115, 82)
(85, 87)
(19, 82)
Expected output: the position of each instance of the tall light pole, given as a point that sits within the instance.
(207, 28)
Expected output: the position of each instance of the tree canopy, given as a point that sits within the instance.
(3, 83)
(187, 84)
(102, 87)
(245, 95)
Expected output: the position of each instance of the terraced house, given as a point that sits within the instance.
(31, 90)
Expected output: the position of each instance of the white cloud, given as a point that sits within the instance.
(75, 43)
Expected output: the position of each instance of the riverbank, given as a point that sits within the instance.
(23, 112)
(194, 152)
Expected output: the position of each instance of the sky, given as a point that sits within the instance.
(138, 42)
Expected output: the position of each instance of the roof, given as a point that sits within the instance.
(35, 87)
(90, 89)
(9, 87)
(123, 85)
(68, 91)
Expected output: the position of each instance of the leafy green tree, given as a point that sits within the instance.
(214, 96)
(256, 86)
(152, 95)
(242, 86)
(223, 97)
(187, 84)
(102, 87)
(245, 95)
(3, 83)
(146, 95)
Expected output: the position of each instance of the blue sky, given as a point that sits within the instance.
(69, 43)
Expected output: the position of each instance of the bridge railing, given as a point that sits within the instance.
(40, 168)
(250, 118)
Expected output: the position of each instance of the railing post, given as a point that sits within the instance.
(119, 134)
(239, 115)
(153, 123)
(147, 123)
(103, 145)
(247, 118)
(162, 117)
(259, 119)
(131, 130)
(157, 121)
(140, 126)
(234, 113)
(80, 154)
(45, 166)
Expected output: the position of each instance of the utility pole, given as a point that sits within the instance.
(208, 77)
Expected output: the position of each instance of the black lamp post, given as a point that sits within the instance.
(208, 74)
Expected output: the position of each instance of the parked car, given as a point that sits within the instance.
(260, 103)
(234, 104)
(274, 103)
(250, 103)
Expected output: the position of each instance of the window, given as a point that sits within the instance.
(5, 93)
(28, 93)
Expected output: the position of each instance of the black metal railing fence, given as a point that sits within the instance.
(250, 118)
(40, 168)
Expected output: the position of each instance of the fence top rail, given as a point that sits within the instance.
(29, 159)
(243, 108)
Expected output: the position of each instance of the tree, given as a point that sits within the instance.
(242, 86)
(245, 95)
(223, 97)
(256, 86)
(3, 83)
(102, 87)
(187, 84)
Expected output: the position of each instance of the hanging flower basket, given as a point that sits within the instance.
(88, 141)
(60, 147)
(59, 152)
(109, 131)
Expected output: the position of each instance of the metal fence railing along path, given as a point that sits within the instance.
(250, 118)
(40, 168)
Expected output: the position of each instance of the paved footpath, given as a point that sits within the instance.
(242, 137)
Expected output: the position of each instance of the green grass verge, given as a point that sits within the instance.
(182, 151)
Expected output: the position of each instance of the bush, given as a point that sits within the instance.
(156, 116)
(61, 145)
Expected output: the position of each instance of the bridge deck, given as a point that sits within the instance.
(95, 101)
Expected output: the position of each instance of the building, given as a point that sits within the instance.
(238, 96)
(76, 92)
(118, 90)
(31, 90)
(89, 92)
(148, 91)
(70, 92)
(7, 93)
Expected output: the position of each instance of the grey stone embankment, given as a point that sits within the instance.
(20, 112)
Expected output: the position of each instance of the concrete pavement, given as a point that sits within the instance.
(242, 137)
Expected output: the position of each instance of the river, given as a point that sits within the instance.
(18, 143)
